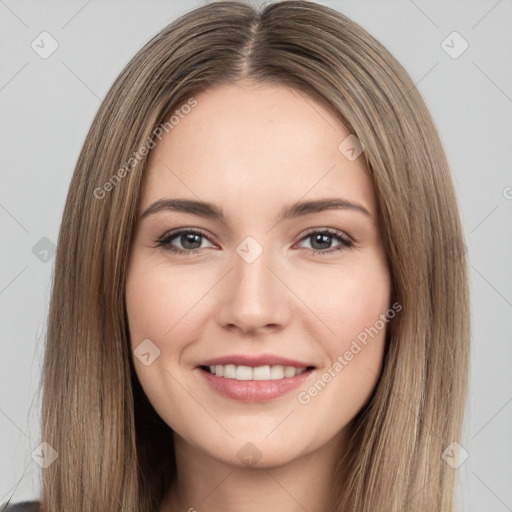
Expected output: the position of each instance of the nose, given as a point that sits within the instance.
(254, 297)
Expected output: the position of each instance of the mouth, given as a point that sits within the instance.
(263, 372)
(254, 379)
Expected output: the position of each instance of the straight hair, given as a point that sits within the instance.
(115, 453)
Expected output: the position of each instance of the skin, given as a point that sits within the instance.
(253, 149)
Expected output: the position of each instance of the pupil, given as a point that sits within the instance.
(189, 238)
(322, 239)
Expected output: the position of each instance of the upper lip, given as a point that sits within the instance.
(260, 360)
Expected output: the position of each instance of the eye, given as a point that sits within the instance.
(321, 241)
(190, 240)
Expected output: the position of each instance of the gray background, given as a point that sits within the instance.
(48, 104)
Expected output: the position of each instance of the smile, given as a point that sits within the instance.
(241, 372)
(254, 378)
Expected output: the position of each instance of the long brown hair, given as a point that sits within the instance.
(115, 452)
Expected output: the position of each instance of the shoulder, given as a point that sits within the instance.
(25, 506)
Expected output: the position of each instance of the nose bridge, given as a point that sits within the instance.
(253, 296)
(253, 279)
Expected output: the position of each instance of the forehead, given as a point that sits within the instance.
(255, 144)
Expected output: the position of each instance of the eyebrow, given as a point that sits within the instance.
(209, 210)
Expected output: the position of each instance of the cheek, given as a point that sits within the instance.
(353, 309)
(158, 300)
(355, 342)
(349, 303)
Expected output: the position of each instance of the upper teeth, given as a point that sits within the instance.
(231, 371)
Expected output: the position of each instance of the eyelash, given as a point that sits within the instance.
(165, 241)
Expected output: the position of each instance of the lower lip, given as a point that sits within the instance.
(253, 390)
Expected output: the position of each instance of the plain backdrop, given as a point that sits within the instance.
(47, 105)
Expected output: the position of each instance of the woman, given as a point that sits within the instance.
(311, 351)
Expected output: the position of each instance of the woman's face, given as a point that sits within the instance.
(285, 299)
